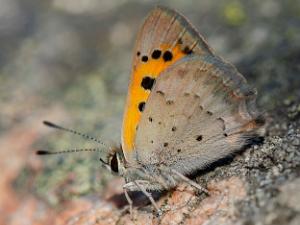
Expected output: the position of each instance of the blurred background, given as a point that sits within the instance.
(69, 62)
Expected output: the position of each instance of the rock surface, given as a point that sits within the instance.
(68, 63)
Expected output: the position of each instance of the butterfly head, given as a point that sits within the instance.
(114, 161)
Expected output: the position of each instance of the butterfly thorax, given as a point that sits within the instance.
(152, 176)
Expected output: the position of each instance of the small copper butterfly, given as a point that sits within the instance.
(186, 108)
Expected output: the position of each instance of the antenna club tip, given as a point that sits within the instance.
(49, 124)
(42, 152)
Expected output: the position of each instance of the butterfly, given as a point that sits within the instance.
(186, 108)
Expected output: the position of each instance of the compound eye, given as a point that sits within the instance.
(114, 164)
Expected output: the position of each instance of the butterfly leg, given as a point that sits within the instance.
(139, 185)
(190, 182)
(131, 186)
(149, 196)
(130, 203)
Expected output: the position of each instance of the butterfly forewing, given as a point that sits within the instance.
(165, 37)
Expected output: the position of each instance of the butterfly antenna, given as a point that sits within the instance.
(52, 125)
(45, 152)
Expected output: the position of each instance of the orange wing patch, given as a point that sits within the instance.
(142, 79)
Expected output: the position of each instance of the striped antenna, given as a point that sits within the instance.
(45, 152)
(52, 125)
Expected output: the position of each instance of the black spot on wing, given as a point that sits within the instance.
(209, 113)
(144, 58)
(199, 138)
(187, 50)
(156, 54)
(147, 83)
(167, 56)
(160, 92)
(170, 102)
(141, 106)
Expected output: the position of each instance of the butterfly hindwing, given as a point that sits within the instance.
(165, 37)
(200, 110)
